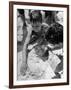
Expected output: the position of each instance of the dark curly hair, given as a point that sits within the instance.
(54, 34)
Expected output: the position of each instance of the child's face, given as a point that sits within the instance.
(36, 26)
(40, 50)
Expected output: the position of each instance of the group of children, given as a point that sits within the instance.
(39, 46)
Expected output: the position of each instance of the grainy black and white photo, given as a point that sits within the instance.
(39, 44)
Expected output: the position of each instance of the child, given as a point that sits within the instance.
(54, 37)
(21, 35)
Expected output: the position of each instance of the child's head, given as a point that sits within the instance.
(54, 34)
(42, 51)
(36, 20)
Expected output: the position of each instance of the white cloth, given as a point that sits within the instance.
(37, 66)
(58, 52)
(53, 60)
